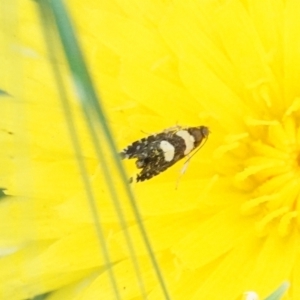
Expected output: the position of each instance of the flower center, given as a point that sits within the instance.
(272, 171)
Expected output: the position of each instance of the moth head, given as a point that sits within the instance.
(199, 133)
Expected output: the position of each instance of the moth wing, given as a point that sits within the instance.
(153, 168)
(142, 148)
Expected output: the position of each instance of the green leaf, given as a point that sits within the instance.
(4, 93)
(277, 294)
(59, 33)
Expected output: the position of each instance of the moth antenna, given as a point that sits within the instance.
(182, 171)
(196, 151)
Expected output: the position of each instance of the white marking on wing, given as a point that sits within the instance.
(188, 139)
(168, 150)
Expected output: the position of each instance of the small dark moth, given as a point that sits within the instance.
(156, 153)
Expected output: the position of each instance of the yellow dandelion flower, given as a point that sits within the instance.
(232, 224)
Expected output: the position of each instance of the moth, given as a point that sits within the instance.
(156, 153)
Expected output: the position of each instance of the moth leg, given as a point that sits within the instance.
(182, 171)
(174, 128)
